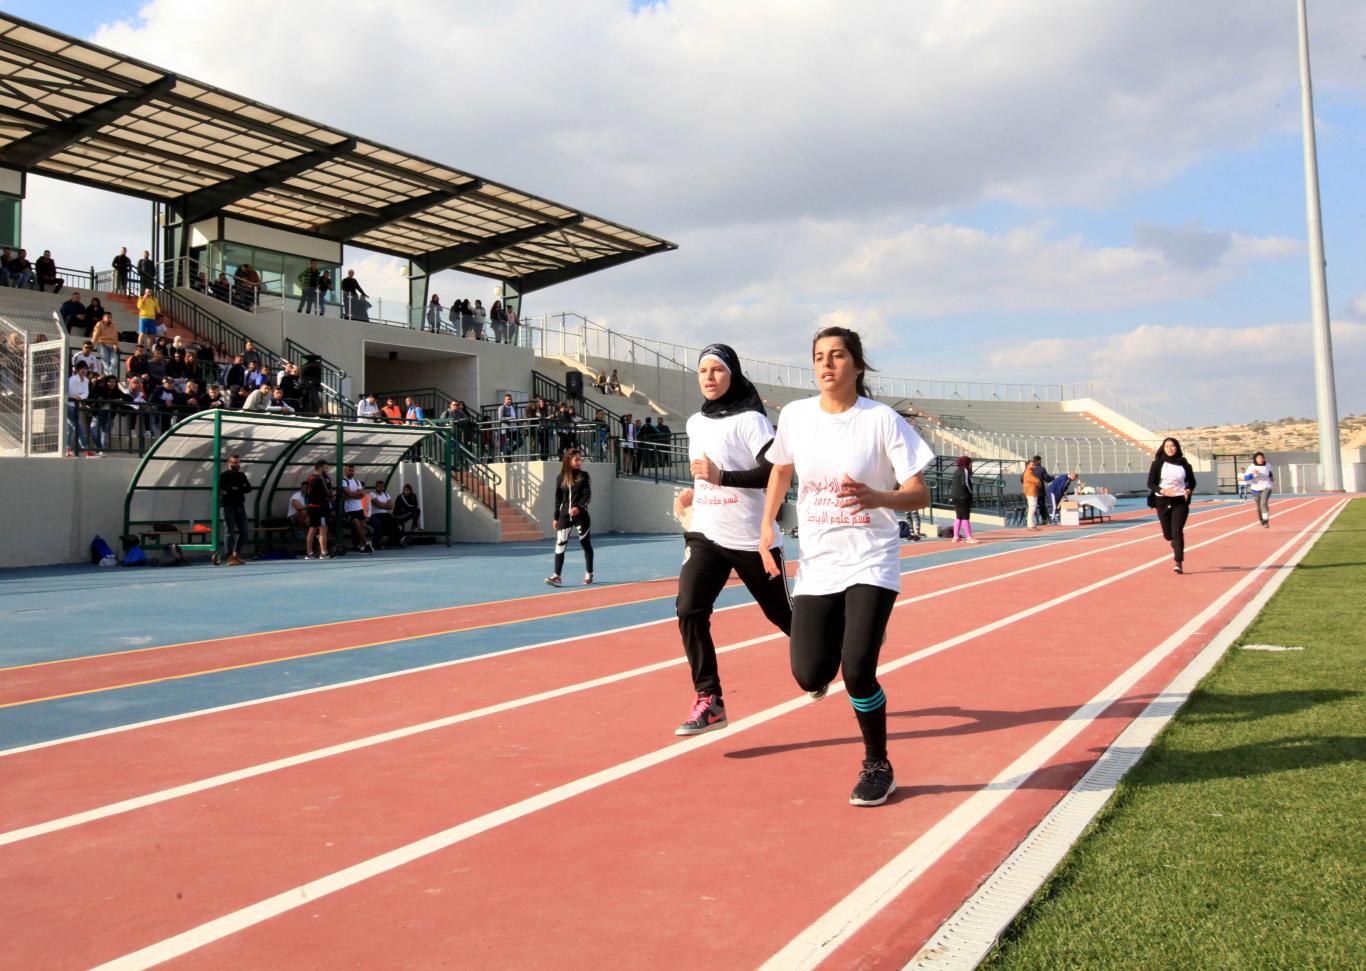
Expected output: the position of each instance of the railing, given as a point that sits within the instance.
(468, 470)
(989, 477)
(551, 390)
(330, 383)
(432, 401)
(656, 459)
(539, 439)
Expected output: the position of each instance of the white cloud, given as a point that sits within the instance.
(1195, 375)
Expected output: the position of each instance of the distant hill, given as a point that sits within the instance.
(1282, 435)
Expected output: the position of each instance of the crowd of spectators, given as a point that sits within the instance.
(17, 271)
(472, 321)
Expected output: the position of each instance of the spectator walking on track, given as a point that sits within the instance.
(1259, 479)
(859, 463)
(960, 494)
(573, 493)
(1171, 480)
(728, 441)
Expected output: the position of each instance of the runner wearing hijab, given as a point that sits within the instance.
(859, 463)
(1259, 479)
(1171, 480)
(573, 492)
(727, 444)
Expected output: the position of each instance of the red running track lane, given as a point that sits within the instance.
(183, 750)
(367, 802)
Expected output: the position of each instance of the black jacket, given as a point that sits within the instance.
(961, 489)
(233, 488)
(581, 493)
(1155, 479)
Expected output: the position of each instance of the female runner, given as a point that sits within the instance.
(727, 442)
(1171, 480)
(1259, 479)
(573, 492)
(859, 463)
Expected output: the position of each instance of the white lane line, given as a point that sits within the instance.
(963, 940)
(281, 903)
(822, 937)
(285, 696)
(249, 772)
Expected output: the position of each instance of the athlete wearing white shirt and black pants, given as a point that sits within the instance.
(727, 442)
(1259, 479)
(859, 463)
(1171, 480)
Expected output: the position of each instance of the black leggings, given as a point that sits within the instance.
(1172, 513)
(845, 629)
(706, 568)
(580, 526)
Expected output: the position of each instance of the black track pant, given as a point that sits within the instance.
(706, 568)
(845, 629)
(580, 526)
(1172, 513)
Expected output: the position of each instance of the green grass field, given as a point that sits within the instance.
(1240, 840)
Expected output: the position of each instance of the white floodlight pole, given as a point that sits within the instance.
(1330, 455)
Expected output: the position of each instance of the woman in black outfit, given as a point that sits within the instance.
(1171, 480)
(573, 492)
(960, 494)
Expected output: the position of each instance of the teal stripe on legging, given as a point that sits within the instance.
(869, 704)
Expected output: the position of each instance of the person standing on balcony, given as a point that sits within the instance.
(324, 288)
(147, 271)
(498, 320)
(960, 494)
(123, 266)
(351, 291)
(859, 464)
(1259, 479)
(1171, 480)
(148, 308)
(508, 439)
(433, 318)
(573, 492)
(728, 442)
(480, 315)
(510, 315)
(308, 288)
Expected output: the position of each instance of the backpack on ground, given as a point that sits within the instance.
(100, 551)
(135, 557)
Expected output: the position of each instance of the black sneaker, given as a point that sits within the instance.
(1177, 568)
(875, 783)
(819, 693)
(707, 715)
(311, 556)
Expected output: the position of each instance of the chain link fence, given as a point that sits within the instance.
(46, 421)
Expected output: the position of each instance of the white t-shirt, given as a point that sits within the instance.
(728, 516)
(367, 408)
(870, 443)
(1261, 477)
(77, 387)
(297, 502)
(353, 505)
(376, 497)
(1173, 477)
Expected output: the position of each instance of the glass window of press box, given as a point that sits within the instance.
(10, 221)
(279, 272)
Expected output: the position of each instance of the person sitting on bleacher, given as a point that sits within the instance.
(138, 363)
(254, 377)
(298, 508)
(614, 383)
(213, 398)
(237, 373)
(21, 270)
(406, 511)
(74, 316)
(382, 526)
(279, 404)
(168, 402)
(259, 399)
(46, 268)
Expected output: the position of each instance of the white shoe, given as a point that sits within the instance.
(819, 693)
(587, 578)
(972, 542)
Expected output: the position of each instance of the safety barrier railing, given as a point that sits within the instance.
(543, 386)
(539, 439)
(656, 459)
(989, 482)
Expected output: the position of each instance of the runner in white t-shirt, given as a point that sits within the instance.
(353, 504)
(858, 463)
(727, 442)
(1259, 479)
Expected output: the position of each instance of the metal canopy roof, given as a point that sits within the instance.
(74, 111)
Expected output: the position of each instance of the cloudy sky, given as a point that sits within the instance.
(990, 190)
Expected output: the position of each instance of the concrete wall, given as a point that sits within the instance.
(55, 507)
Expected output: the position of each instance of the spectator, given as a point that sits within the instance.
(406, 509)
(540, 421)
(469, 425)
(148, 308)
(221, 288)
(351, 295)
(392, 413)
(87, 356)
(601, 383)
(237, 398)
(628, 443)
(147, 272)
(1033, 489)
(175, 369)
(200, 283)
(250, 355)
(169, 402)
(21, 270)
(413, 413)
(367, 409)
(292, 384)
(6, 261)
(237, 373)
(233, 487)
(434, 312)
(246, 284)
(510, 313)
(499, 322)
(508, 439)
(353, 507)
(469, 327)
(94, 310)
(77, 393)
(298, 508)
(318, 493)
(75, 316)
(308, 286)
(324, 288)
(254, 377)
(214, 398)
(614, 383)
(123, 266)
(105, 397)
(138, 362)
(279, 404)
(46, 268)
(479, 315)
(156, 367)
(259, 399)
(382, 528)
(566, 423)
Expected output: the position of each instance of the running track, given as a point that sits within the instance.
(530, 807)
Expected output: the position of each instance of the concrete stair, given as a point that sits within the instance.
(516, 526)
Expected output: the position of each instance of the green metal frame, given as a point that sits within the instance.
(310, 428)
